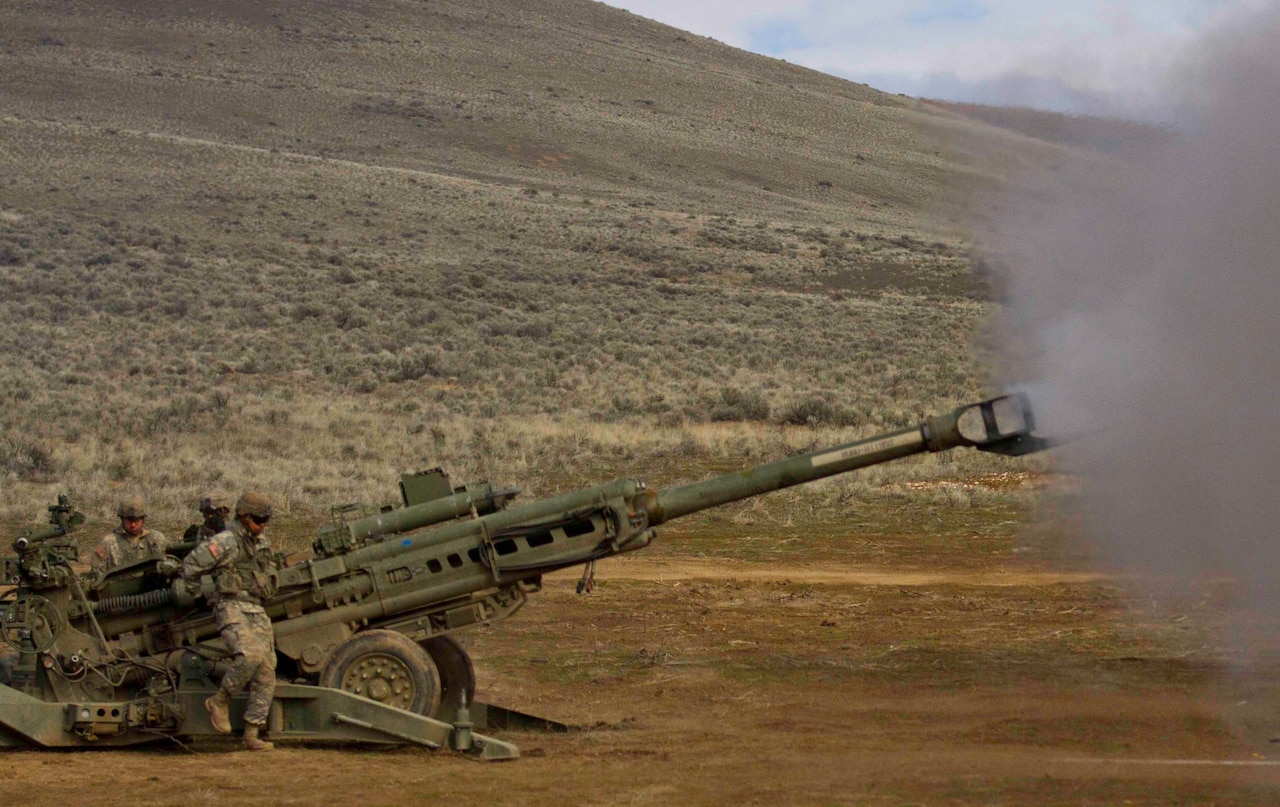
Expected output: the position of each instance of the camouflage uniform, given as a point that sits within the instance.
(198, 533)
(213, 501)
(118, 547)
(244, 573)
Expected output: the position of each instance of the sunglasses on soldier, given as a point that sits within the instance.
(258, 519)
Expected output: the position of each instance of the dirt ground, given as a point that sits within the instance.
(698, 681)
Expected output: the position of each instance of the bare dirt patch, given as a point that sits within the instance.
(702, 683)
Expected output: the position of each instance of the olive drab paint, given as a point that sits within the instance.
(364, 625)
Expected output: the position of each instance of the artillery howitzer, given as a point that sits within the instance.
(364, 624)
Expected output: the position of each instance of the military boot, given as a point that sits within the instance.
(219, 709)
(251, 739)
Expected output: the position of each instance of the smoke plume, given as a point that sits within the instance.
(1145, 294)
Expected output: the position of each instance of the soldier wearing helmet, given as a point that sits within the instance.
(243, 571)
(129, 542)
(215, 506)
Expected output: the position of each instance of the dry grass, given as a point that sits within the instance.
(311, 451)
(307, 249)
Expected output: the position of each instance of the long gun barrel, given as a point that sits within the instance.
(1001, 425)
(370, 611)
(432, 568)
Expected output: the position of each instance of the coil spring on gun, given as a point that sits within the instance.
(128, 602)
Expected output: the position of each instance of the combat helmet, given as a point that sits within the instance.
(214, 500)
(131, 507)
(253, 503)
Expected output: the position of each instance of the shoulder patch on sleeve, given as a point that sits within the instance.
(215, 549)
(102, 552)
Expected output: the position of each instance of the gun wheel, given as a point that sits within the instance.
(457, 674)
(386, 667)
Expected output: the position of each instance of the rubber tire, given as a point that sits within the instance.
(411, 659)
(457, 674)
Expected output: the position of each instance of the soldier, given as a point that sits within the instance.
(129, 542)
(240, 561)
(215, 506)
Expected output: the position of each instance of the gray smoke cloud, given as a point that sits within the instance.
(1144, 294)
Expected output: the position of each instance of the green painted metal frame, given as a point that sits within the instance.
(298, 713)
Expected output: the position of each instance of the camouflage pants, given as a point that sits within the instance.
(246, 631)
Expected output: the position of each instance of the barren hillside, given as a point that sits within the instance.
(309, 245)
(1109, 135)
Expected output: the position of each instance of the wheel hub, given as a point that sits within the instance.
(382, 678)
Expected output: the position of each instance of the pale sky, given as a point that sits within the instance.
(1089, 56)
